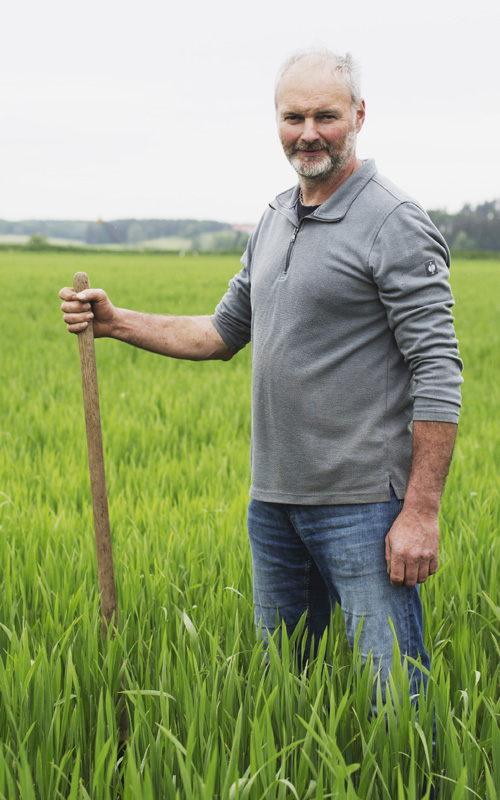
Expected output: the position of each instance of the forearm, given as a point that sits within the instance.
(412, 544)
(191, 338)
(432, 450)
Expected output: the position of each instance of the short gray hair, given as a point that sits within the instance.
(346, 68)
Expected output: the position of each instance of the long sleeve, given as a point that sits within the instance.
(410, 264)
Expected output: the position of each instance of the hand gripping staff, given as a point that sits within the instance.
(105, 570)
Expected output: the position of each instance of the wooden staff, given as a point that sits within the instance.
(105, 569)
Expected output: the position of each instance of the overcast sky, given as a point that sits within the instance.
(165, 109)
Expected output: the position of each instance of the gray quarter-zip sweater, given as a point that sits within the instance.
(349, 315)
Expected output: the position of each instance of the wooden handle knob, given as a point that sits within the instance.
(81, 282)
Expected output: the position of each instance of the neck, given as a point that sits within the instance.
(315, 191)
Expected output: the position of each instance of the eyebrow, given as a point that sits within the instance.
(319, 111)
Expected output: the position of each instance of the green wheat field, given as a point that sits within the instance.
(208, 720)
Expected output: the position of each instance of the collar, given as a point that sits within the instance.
(338, 204)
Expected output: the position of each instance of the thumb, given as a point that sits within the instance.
(92, 295)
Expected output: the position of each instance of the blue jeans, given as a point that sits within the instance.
(307, 558)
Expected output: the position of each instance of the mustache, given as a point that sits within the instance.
(311, 147)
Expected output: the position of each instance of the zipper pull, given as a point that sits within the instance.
(290, 248)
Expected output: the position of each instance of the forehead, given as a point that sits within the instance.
(309, 85)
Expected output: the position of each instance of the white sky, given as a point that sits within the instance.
(116, 109)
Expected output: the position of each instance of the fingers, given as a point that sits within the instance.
(89, 295)
(77, 327)
(77, 322)
(67, 293)
(395, 564)
(404, 571)
(410, 573)
(397, 572)
(77, 311)
(426, 569)
(423, 573)
(412, 549)
(77, 308)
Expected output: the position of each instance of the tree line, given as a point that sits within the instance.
(469, 229)
(122, 231)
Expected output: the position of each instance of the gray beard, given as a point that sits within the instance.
(330, 164)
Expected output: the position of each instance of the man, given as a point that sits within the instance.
(355, 381)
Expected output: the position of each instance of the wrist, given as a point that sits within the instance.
(114, 328)
(423, 504)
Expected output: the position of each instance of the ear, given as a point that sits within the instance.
(360, 116)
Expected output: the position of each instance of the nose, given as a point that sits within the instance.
(309, 130)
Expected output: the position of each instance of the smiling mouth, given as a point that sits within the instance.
(315, 152)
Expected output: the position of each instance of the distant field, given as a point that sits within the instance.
(207, 721)
(16, 239)
(167, 243)
(206, 241)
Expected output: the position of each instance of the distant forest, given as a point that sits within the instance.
(470, 229)
(190, 233)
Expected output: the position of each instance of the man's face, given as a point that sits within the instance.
(316, 121)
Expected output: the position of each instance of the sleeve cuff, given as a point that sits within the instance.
(435, 410)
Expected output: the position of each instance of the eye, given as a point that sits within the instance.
(328, 117)
(292, 118)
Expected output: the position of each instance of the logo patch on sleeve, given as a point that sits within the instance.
(430, 267)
